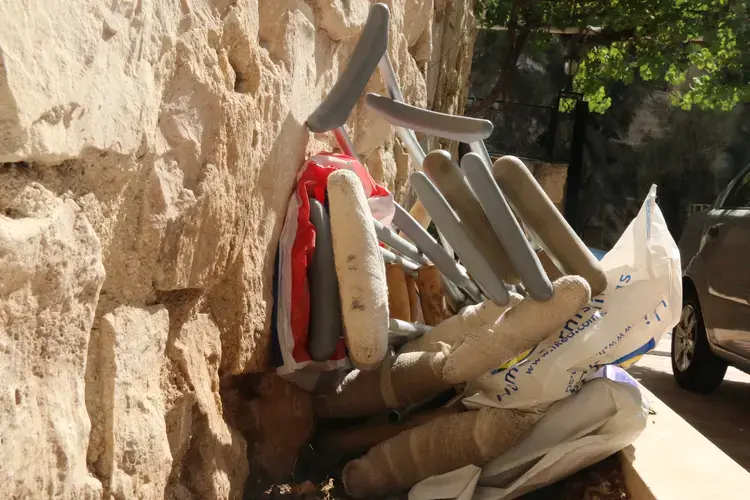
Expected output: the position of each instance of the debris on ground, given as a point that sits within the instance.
(601, 481)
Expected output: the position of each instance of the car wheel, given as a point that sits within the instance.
(694, 366)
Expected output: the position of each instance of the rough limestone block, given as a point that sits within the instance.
(98, 87)
(50, 275)
(177, 128)
(129, 448)
(216, 464)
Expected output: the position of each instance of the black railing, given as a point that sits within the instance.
(534, 131)
(544, 133)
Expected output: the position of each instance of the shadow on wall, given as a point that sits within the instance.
(272, 184)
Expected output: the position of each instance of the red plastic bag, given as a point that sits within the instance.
(296, 247)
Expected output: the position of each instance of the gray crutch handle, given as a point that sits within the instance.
(506, 227)
(450, 180)
(430, 247)
(448, 222)
(406, 135)
(400, 332)
(325, 306)
(373, 43)
(396, 242)
(457, 128)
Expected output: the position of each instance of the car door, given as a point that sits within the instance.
(726, 266)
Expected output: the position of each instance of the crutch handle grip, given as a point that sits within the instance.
(373, 42)
(457, 128)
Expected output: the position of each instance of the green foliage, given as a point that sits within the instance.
(699, 49)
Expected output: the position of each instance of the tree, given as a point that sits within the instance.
(699, 49)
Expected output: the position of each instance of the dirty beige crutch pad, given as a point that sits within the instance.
(360, 271)
(477, 317)
(518, 329)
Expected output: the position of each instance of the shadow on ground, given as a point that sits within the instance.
(723, 417)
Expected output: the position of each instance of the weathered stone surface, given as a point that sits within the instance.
(50, 275)
(263, 404)
(213, 455)
(552, 178)
(161, 140)
(129, 450)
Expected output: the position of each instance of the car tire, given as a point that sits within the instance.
(695, 367)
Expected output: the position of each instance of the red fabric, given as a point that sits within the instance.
(312, 182)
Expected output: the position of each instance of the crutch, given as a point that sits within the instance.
(415, 150)
(325, 327)
(474, 130)
(467, 130)
(476, 168)
(332, 113)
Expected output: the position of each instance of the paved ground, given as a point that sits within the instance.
(723, 417)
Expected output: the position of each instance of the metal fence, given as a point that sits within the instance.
(532, 131)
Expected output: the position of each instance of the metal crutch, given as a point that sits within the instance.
(448, 221)
(483, 129)
(332, 113)
(506, 227)
(415, 150)
(500, 216)
(459, 128)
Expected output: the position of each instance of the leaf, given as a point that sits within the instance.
(657, 40)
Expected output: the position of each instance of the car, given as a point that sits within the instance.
(714, 327)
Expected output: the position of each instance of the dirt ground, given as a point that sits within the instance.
(723, 417)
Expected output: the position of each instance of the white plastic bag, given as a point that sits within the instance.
(642, 302)
(603, 418)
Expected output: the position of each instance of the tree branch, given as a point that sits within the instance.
(516, 41)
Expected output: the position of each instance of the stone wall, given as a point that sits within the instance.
(148, 152)
(552, 177)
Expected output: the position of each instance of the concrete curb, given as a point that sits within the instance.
(673, 460)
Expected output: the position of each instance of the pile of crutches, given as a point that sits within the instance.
(502, 299)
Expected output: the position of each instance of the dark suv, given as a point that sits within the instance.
(714, 329)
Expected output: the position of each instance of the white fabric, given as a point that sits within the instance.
(458, 484)
(601, 419)
(642, 302)
(382, 207)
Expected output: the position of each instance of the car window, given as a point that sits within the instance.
(739, 197)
